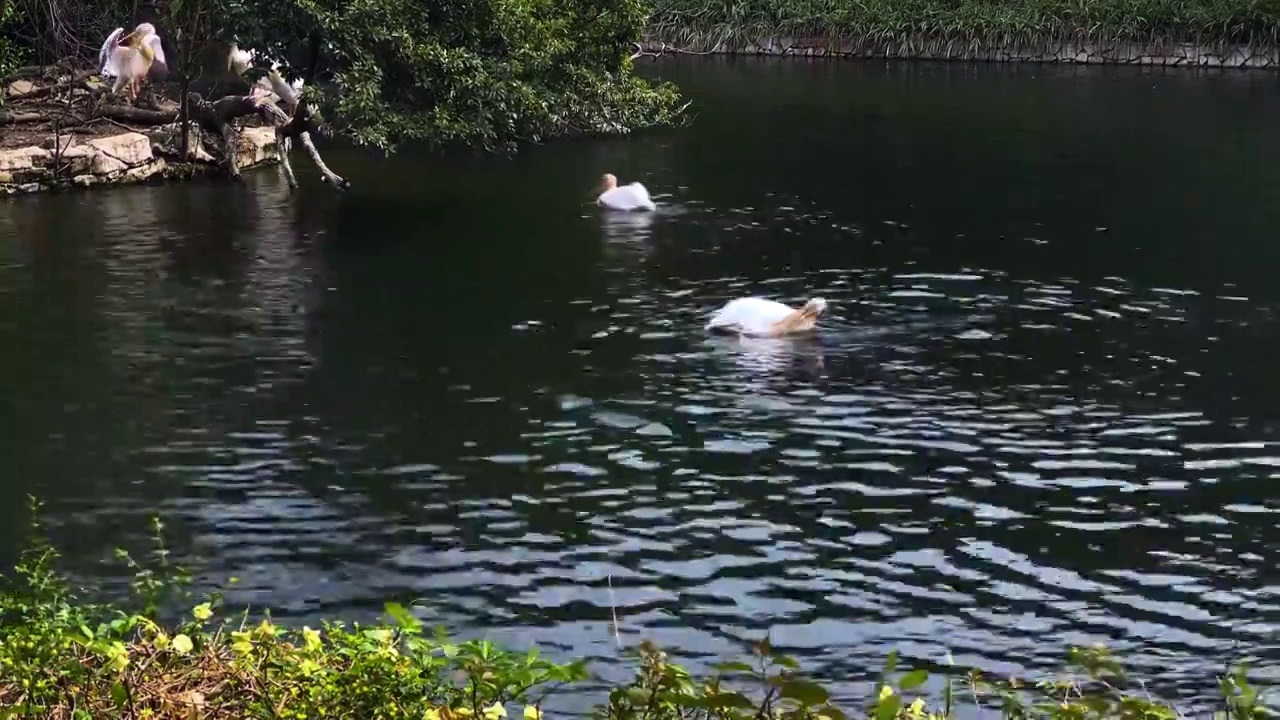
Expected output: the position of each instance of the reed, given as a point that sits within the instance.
(893, 26)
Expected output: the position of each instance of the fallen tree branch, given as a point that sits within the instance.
(217, 117)
(640, 52)
(27, 72)
(63, 84)
(8, 118)
(141, 116)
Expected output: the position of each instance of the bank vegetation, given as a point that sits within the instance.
(479, 73)
(948, 26)
(161, 653)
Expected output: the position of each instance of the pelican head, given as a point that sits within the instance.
(138, 34)
(813, 308)
(608, 181)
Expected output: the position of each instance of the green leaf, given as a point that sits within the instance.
(891, 663)
(403, 617)
(119, 695)
(182, 644)
(728, 700)
(806, 692)
(887, 709)
(913, 679)
(786, 661)
(733, 667)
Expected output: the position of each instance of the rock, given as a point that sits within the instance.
(104, 164)
(24, 158)
(78, 159)
(129, 149)
(255, 146)
(167, 140)
(143, 172)
(20, 88)
(52, 142)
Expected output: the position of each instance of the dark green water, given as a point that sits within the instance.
(1041, 410)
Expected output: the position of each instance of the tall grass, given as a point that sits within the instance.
(961, 23)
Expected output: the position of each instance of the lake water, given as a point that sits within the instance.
(1041, 409)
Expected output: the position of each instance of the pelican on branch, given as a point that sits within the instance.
(132, 57)
(273, 86)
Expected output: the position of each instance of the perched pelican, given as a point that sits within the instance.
(130, 58)
(758, 317)
(239, 62)
(627, 197)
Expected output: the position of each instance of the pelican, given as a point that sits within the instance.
(758, 317)
(627, 197)
(130, 58)
(239, 62)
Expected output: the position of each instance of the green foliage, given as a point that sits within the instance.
(61, 657)
(484, 73)
(999, 22)
(481, 73)
(11, 55)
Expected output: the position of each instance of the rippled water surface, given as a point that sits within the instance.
(1041, 409)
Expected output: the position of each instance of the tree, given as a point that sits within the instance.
(485, 73)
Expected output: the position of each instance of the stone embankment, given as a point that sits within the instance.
(1070, 52)
(70, 160)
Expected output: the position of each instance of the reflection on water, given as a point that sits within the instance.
(1038, 411)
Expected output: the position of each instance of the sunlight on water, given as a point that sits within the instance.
(1012, 432)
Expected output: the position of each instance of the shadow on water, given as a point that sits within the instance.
(1039, 410)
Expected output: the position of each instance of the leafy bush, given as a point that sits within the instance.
(61, 657)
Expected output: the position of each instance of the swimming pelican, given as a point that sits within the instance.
(239, 61)
(130, 58)
(628, 197)
(758, 317)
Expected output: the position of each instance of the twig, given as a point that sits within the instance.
(613, 608)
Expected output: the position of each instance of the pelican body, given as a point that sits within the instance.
(132, 57)
(272, 87)
(758, 317)
(633, 196)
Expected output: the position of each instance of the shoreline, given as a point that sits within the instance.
(65, 161)
(1068, 51)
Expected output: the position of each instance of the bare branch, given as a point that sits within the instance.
(640, 52)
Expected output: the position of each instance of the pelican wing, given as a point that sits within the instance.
(627, 197)
(108, 60)
(240, 60)
(283, 89)
(157, 49)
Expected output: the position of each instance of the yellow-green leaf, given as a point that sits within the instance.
(182, 644)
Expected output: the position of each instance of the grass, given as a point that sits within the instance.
(64, 658)
(880, 24)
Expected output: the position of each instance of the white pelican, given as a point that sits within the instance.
(130, 58)
(239, 61)
(627, 197)
(758, 317)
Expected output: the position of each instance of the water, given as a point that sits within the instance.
(1040, 411)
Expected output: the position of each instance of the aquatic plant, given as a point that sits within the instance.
(63, 657)
(938, 25)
